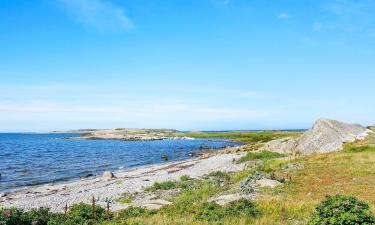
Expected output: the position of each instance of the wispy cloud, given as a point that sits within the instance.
(221, 2)
(98, 14)
(317, 27)
(354, 16)
(283, 16)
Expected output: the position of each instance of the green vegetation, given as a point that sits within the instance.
(300, 200)
(265, 155)
(364, 148)
(125, 198)
(339, 210)
(79, 214)
(243, 136)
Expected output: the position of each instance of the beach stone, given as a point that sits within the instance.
(156, 204)
(268, 183)
(108, 175)
(225, 199)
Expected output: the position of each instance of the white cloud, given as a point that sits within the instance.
(283, 16)
(317, 27)
(98, 14)
(221, 2)
(153, 113)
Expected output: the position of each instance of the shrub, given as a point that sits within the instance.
(134, 212)
(185, 178)
(39, 216)
(265, 155)
(220, 179)
(247, 185)
(342, 210)
(81, 212)
(209, 211)
(13, 216)
(242, 207)
(167, 185)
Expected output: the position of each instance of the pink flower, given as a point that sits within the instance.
(358, 207)
(337, 193)
(336, 210)
(8, 213)
(346, 202)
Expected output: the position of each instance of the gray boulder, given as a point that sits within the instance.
(325, 136)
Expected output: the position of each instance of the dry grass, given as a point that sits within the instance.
(347, 172)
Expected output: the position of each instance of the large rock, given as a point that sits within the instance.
(325, 136)
(107, 176)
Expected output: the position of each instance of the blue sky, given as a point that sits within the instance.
(185, 64)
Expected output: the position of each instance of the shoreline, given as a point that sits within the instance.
(133, 180)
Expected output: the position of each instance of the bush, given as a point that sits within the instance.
(260, 155)
(167, 185)
(134, 212)
(247, 185)
(342, 210)
(185, 178)
(242, 207)
(209, 211)
(82, 212)
(220, 179)
(41, 216)
(13, 217)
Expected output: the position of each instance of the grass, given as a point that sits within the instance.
(126, 198)
(248, 136)
(264, 155)
(166, 185)
(348, 172)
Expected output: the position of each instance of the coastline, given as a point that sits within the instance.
(133, 180)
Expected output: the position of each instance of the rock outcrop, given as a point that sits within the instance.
(325, 136)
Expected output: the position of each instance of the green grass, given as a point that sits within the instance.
(248, 137)
(265, 155)
(349, 172)
(166, 185)
(365, 148)
(125, 198)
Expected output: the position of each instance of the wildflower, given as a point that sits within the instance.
(346, 202)
(337, 193)
(336, 210)
(35, 222)
(8, 213)
(358, 207)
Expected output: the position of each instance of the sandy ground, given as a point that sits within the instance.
(56, 196)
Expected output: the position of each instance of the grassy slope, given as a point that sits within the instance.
(349, 172)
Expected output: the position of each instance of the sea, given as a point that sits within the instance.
(28, 159)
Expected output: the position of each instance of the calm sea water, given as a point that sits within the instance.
(32, 159)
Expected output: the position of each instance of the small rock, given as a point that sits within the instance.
(165, 157)
(88, 175)
(268, 183)
(156, 204)
(225, 199)
(108, 175)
